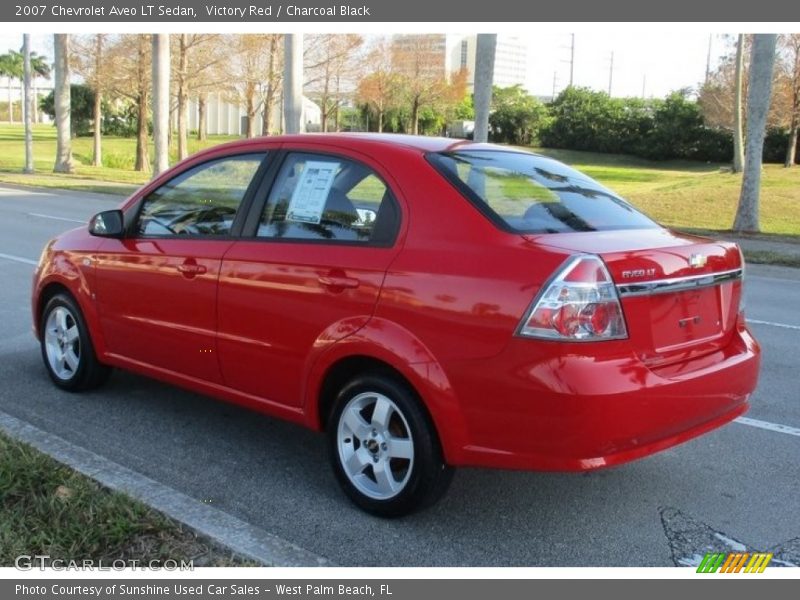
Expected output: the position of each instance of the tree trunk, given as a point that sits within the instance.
(293, 86)
(266, 113)
(63, 162)
(143, 99)
(380, 121)
(202, 126)
(415, 117)
(10, 103)
(142, 155)
(161, 125)
(28, 102)
(324, 117)
(791, 149)
(759, 92)
(269, 100)
(97, 150)
(738, 126)
(183, 98)
(251, 122)
(251, 109)
(97, 153)
(183, 122)
(35, 101)
(484, 77)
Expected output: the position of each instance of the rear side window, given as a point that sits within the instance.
(533, 194)
(325, 198)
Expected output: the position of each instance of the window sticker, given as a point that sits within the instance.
(311, 192)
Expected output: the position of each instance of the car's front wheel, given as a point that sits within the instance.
(384, 449)
(67, 348)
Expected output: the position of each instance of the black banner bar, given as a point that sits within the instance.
(461, 11)
(395, 589)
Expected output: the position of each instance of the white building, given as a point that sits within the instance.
(510, 61)
(227, 118)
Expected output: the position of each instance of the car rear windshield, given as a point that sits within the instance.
(527, 193)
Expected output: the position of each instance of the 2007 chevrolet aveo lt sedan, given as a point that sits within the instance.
(428, 303)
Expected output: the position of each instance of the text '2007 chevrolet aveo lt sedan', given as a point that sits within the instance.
(428, 303)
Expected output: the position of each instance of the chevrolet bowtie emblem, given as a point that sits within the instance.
(697, 260)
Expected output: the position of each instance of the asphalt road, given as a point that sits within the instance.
(737, 484)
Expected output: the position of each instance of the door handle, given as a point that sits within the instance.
(340, 282)
(190, 269)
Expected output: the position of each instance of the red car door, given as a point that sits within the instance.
(311, 272)
(157, 287)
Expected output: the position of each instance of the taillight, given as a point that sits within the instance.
(579, 304)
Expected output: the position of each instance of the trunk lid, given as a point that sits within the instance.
(680, 294)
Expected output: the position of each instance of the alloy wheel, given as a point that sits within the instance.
(375, 445)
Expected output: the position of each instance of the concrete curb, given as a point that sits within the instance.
(241, 537)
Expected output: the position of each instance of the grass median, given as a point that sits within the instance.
(47, 508)
(116, 176)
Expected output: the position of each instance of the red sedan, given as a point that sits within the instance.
(428, 303)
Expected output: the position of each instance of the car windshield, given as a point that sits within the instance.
(528, 193)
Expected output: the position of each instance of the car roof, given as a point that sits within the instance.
(362, 141)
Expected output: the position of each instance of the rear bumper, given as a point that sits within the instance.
(575, 412)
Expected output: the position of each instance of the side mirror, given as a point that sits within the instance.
(108, 223)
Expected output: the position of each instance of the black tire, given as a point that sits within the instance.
(76, 376)
(423, 478)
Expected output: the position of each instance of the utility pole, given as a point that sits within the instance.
(572, 60)
(293, 86)
(610, 73)
(555, 81)
(708, 58)
(644, 84)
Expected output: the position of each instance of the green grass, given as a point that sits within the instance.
(769, 257)
(115, 176)
(684, 194)
(48, 509)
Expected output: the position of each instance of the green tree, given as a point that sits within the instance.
(81, 108)
(677, 128)
(12, 66)
(465, 110)
(516, 116)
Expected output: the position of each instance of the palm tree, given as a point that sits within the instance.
(7, 71)
(62, 95)
(293, 87)
(738, 126)
(160, 73)
(12, 67)
(28, 102)
(484, 75)
(759, 93)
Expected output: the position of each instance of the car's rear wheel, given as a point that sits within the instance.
(384, 449)
(67, 348)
